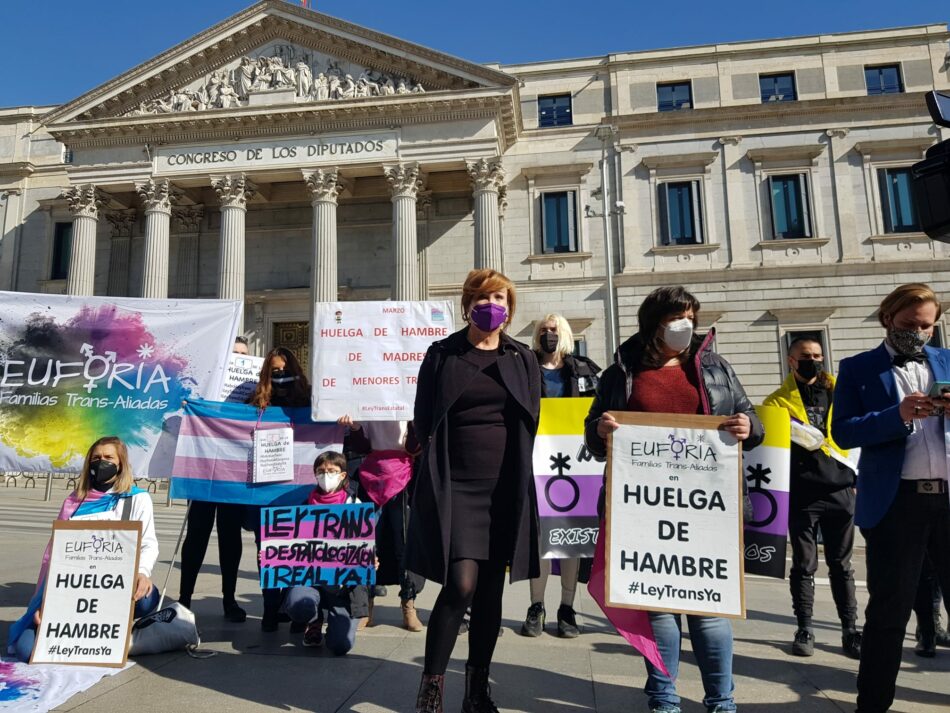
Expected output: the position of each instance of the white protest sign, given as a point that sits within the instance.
(273, 455)
(674, 516)
(241, 378)
(366, 356)
(87, 603)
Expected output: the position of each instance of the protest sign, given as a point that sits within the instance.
(674, 515)
(73, 369)
(766, 469)
(241, 378)
(87, 602)
(366, 356)
(567, 480)
(273, 455)
(318, 545)
(214, 453)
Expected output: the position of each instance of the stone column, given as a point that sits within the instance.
(11, 202)
(406, 181)
(187, 223)
(740, 231)
(326, 185)
(233, 192)
(845, 204)
(157, 197)
(487, 177)
(120, 254)
(84, 203)
(423, 209)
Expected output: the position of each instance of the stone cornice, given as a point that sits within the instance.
(800, 112)
(18, 169)
(248, 122)
(261, 23)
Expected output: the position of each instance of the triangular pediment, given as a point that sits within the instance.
(275, 53)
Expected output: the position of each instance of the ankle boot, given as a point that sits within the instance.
(429, 699)
(410, 620)
(477, 691)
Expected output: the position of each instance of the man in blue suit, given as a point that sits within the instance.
(882, 406)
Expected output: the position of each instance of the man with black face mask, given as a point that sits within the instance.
(821, 496)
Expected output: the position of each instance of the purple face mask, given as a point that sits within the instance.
(488, 317)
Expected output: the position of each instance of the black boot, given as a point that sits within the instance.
(926, 641)
(477, 691)
(429, 699)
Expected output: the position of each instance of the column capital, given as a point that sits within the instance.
(85, 200)
(233, 189)
(406, 180)
(157, 195)
(187, 219)
(423, 204)
(730, 140)
(837, 133)
(487, 174)
(121, 222)
(326, 185)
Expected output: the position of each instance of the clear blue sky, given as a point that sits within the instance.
(55, 50)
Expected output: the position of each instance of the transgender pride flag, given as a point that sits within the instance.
(214, 453)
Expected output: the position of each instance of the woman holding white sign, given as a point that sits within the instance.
(474, 511)
(105, 492)
(667, 368)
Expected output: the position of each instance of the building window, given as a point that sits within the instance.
(580, 346)
(789, 196)
(559, 222)
(554, 111)
(674, 96)
(937, 339)
(777, 87)
(897, 203)
(680, 208)
(884, 79)
(62, 243)
(814, 335)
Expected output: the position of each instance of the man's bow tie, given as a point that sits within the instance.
(902, 359)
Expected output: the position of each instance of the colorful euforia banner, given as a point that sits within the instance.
(214, 453)
(567, 480)
(766, 470)
(74, 369)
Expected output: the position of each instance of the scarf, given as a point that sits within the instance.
(73, 506)
(318, 497)
(384, 474)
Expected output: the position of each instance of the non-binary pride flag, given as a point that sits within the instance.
(766, 470)
(214, 456)
(567, 480)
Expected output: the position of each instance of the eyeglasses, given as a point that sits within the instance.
(328, 472)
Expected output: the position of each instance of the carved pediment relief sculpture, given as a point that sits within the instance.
(279, 68)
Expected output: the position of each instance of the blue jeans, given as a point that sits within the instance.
(302, 605)
(24, 645)
(712, 643)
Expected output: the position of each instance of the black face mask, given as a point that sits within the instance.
(807, 369)
(101, 473)
(281, 379)
(549, 342)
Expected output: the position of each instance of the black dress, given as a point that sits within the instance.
(482, 496)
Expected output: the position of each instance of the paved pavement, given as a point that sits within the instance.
(598, 672)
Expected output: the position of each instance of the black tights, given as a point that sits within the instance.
(480, 585)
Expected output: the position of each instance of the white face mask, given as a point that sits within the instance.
(677, 334)
(329, 482)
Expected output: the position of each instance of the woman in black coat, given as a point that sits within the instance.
(474, 511)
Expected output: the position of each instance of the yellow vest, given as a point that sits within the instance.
(789, 398)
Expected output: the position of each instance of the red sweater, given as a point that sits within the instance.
(669, 389)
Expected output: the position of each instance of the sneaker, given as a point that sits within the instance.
(534, 622)
(313, 635)
(567, 622)
(851, 643)
(804, 643)
(234, 613)
(667, 709)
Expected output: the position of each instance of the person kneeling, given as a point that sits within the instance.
(341, 606)
(105, 492)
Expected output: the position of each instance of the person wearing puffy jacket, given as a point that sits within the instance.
(667, 368)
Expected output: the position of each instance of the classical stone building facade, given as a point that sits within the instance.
(284, 154)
